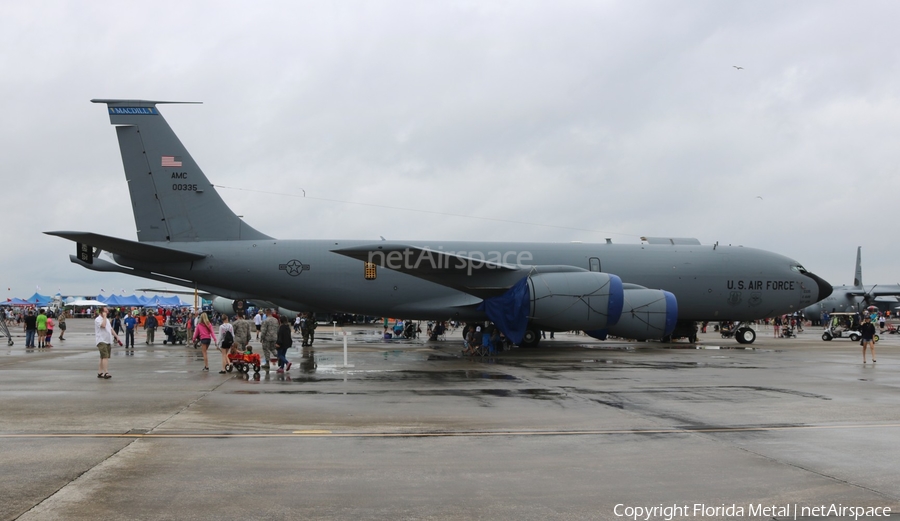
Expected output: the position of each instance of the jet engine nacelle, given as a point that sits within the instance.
(581, 300)
(231, 306)
(647, 314)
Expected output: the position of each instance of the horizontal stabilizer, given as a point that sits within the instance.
(131, 249)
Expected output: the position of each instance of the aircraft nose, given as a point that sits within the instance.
(825, 288)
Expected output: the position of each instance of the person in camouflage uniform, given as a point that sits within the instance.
(242, 328)
(268, 336)
(308, 329)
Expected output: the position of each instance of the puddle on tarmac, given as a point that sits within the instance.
(432, 377)
(535, 394)
(736, 393)
(736, 348)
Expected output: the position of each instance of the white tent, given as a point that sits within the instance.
(84, 303)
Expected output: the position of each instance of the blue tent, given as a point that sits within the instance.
(114, 300)
(130, 300)
(171, 301)
(15, 302)
(39, 300)
(166, 302)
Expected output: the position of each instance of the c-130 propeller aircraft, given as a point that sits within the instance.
(855, 298)
(188, 236)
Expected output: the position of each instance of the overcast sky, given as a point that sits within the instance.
(543, 121)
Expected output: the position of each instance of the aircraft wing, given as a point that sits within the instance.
(476, 276)
(204, 294)
(131, 249)
(887, 290)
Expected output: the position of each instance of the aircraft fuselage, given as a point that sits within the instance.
(710, 283)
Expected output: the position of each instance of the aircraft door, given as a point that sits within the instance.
(595, 264)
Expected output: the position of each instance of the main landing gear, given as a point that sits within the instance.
(744, 334)
(532, 337)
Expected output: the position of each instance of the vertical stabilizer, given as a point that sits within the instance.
(172, 199)
(857, 278)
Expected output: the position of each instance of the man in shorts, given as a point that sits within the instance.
(41, 324)
(62, 324)
(258, 320)
(104, 334)
(867, 331)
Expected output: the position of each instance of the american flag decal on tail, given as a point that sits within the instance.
(171, 160)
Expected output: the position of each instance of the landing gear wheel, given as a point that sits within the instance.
(745, 335)
(531, 339)
(9, 343)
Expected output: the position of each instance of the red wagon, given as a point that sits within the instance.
(243, 362)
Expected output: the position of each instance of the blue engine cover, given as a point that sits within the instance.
(648, 314)
(576, 301)
(572, 300)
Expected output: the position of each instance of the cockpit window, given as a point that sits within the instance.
(800, 269)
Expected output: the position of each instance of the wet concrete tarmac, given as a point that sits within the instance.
(413, 430)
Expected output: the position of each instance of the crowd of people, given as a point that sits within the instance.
(274, 332)
(486, 338)
(231, 338)
(38, 325)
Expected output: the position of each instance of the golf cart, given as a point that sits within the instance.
(843, 325)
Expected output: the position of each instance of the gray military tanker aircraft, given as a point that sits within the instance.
(857, 297)
(188, 236)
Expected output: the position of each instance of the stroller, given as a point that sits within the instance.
(411, 330)
(4, 331)
(175, 334)
(726, 329)
(437, 332)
